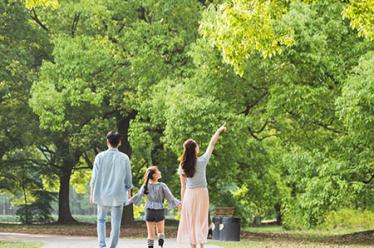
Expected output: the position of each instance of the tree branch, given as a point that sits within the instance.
(37, 20)
(43, 151)
(263, 126)
(256, 137)
(88, 161)
(118, 66)
(327, 127)
(74, 25)
(34, 161)
(97, 150)
(82, 168)
(371, 179)
(251, 105)
(121, 28)
(253, 134)
(317, 123)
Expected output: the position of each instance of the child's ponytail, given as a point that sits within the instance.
(146, 184)
(148, 176)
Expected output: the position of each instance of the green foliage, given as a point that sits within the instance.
(80, 179)
(355, 106)
(210, 96)
(241, 28)
(297, 102)
(22, 48)
(9, 219)
(27, 188)
(349, 218)
(30, 4)
(102, 72)
(316, 157)
(361, 15)
(39, 211)
(66, 88)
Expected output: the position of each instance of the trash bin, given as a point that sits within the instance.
(217, 222)
(230, 230)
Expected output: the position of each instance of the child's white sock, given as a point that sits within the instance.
(161, 238)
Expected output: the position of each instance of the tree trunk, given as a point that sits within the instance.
(68, 161)
(64, 214)
(28, 219)
(278, 213)
(123, 125)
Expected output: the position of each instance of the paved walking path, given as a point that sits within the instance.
(54, 241)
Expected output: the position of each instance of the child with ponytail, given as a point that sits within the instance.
(154, 209)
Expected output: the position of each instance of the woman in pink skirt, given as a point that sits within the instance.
(193, 225)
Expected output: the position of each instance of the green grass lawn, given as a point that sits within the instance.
(9, 219)
(276, 236)
(310, 232)
(283, 244)
(4, 244)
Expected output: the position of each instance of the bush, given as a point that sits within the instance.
(293, 220)
(349, 218)
(9, 219)
(296, 218)
(38, 211)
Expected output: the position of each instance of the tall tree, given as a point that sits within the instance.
(106, 58)
(22, 49)
(285, 129)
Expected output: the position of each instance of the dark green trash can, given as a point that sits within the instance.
(217, 222)
(230, 229)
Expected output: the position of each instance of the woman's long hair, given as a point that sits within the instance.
(149, 176)
(188, 159)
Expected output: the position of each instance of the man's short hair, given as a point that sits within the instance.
(113, 138)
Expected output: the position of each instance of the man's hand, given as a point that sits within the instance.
(91, 201)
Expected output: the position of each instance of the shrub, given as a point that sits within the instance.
(349, 218)
(38, 211)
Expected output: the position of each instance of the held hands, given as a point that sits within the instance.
(129, 197)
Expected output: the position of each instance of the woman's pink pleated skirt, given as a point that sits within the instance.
(193, 224)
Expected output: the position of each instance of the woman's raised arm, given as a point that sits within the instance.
(214, 139)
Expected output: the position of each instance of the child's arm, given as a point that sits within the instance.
(173, 202)
(136, 199)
